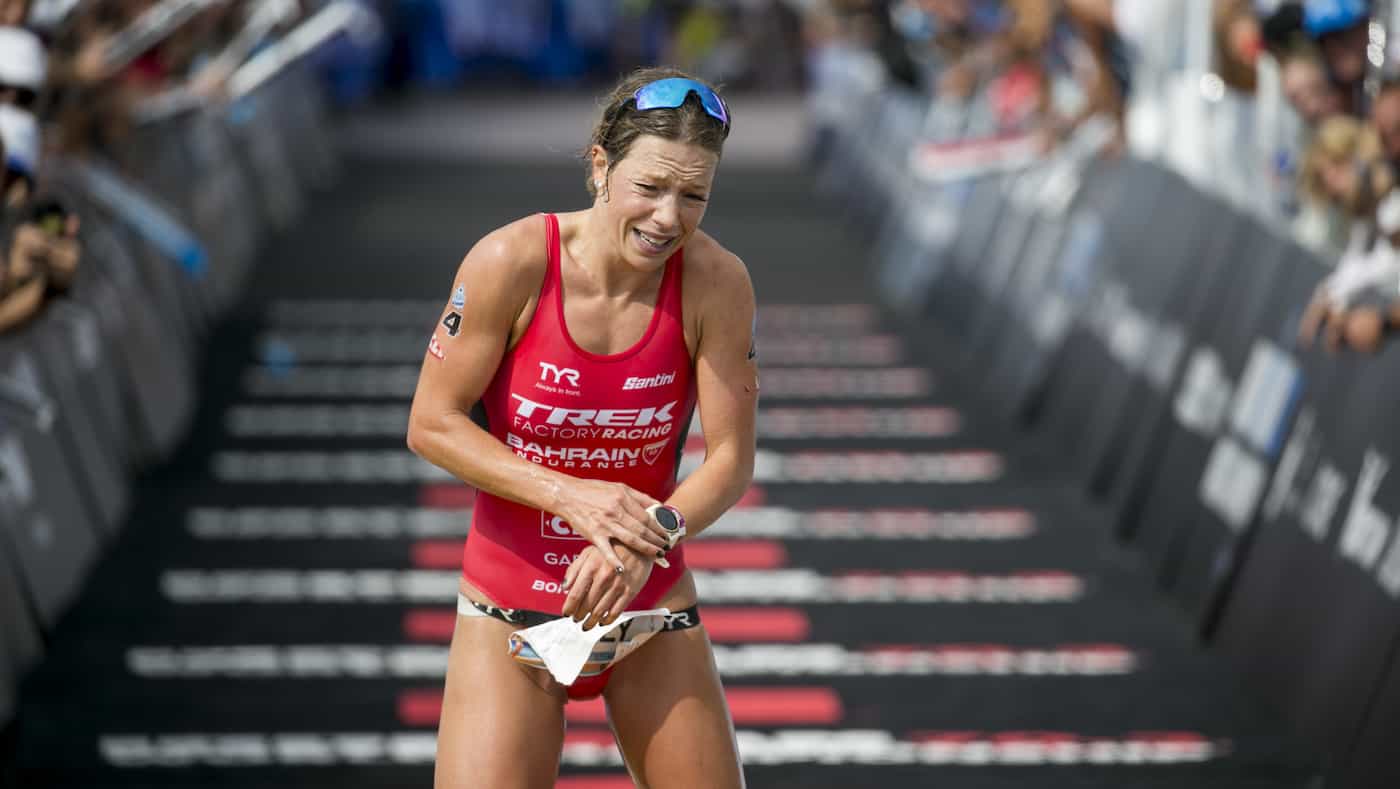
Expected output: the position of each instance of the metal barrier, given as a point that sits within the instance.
(1143, 329)
(103, 384)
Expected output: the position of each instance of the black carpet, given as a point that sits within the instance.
(910, 597)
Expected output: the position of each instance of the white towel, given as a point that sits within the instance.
(565, 647)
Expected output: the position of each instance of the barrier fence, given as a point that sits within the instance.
(1146, 331)
(103, 383)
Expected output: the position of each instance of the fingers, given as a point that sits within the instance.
(642, 540)
(588, 606)
(610, 606)
(578, 590)
(570, 573)
(636, 504)
(605, 547)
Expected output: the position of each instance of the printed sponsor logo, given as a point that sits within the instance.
(1204, 397)
(590, 417)
(546, 585)
(652, 451)
(870, 747)
(576, 457)
(660, 379)
(435, 349)
(788, 585)
(560, 559)
(459, 297)
(1367, 529)
(558, 375)
(556, 528)
(361, 661)
(1232, 483)
(1367, 536)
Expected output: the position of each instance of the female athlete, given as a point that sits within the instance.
(591, 338)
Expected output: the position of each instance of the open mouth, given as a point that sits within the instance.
(652, 245)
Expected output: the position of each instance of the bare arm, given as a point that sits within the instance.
(726, 381)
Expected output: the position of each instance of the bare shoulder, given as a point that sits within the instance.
(717, 274)
(509, 254)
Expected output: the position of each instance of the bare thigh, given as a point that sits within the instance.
(498, 727)
(668, 711)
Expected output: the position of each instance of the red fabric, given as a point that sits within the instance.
(585, 688)
(566, 408)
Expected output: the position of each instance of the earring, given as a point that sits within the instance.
(597, 183)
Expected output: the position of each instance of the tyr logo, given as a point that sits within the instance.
(560, 374)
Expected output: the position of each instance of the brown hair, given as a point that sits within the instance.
(1342, 138)
(621, 123)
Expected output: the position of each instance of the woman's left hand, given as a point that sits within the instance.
(597, 592)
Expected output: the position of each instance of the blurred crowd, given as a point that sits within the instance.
(77, 77)
(1051, 67)
(737, 43)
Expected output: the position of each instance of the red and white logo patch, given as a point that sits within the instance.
(436, 349)
(556, 528)
(652, 451)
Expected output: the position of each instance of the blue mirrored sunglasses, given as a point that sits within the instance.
(671, 93)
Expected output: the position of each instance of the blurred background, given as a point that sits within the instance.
(1075, 322)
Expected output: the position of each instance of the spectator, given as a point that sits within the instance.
(47, 238)
(1282, 27)
(20, 131)
(1385, 117)
(1238, 41)
(23, 283)
(1375, 309)
(1341, 30)
(1346, 168)
(1306, 86)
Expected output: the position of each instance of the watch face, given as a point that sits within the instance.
(667, 519)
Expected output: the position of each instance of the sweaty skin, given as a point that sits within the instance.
(502, 722)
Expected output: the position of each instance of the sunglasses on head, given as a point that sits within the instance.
(672, 92)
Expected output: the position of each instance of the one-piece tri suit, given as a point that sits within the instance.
(619, 417)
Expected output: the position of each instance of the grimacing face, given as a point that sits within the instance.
(654, 198)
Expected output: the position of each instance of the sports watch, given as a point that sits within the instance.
(673, 522)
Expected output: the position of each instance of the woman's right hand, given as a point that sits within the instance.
(604, 512)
